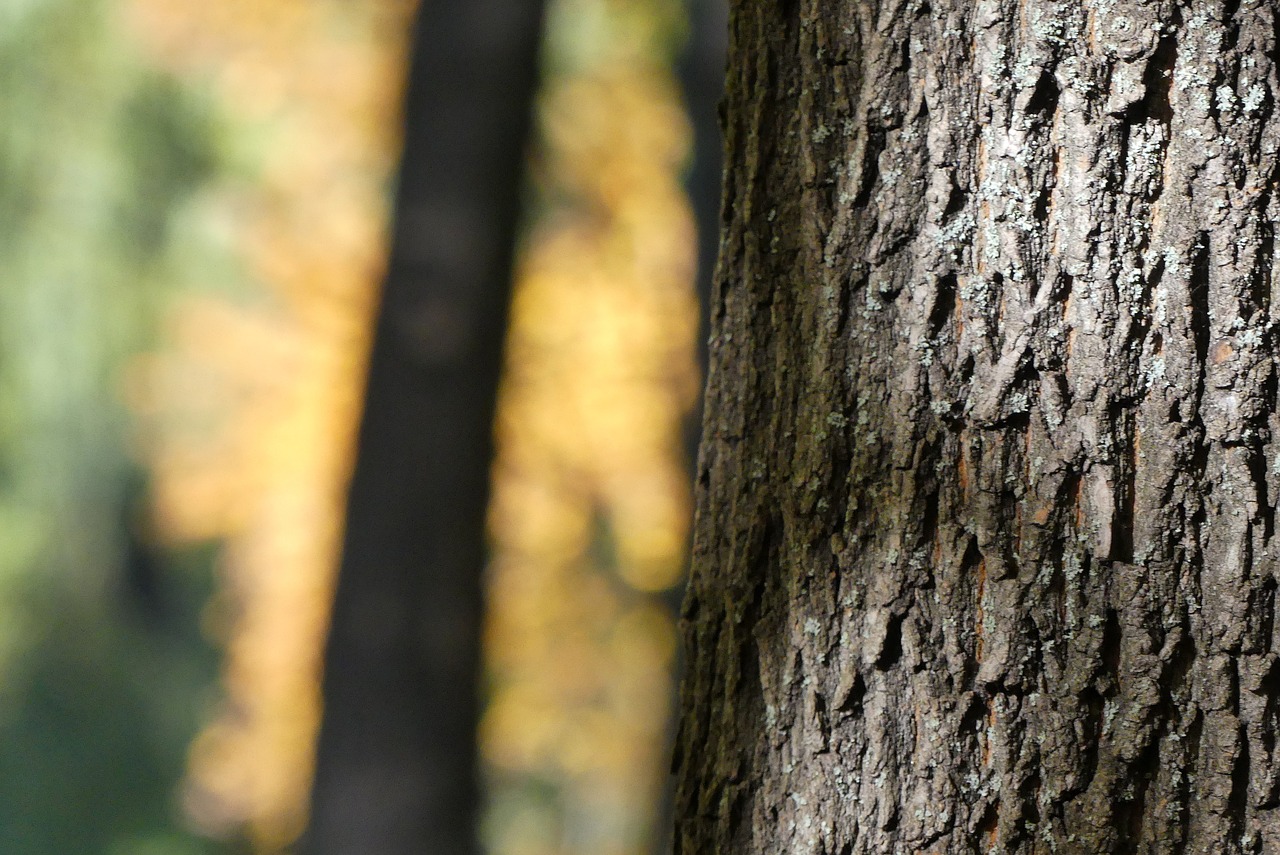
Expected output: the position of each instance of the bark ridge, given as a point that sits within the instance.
(984, 558)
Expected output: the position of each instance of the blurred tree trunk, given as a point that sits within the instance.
(985, 548)
(396, 766)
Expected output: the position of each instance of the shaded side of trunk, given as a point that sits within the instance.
(984, 558)
(396, 764)
(701, 74)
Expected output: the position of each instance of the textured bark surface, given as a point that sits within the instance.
(396, 763)
(984, 556)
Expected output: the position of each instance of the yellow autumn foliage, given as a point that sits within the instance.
(251, 408)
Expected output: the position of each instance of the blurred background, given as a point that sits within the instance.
(195, 209)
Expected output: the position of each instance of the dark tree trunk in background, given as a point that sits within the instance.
(985, 556)
(396, 766)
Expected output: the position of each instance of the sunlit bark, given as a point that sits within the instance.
(984, 550)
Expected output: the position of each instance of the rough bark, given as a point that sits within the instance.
(396, 763)
(986, 502)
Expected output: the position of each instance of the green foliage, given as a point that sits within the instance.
(581, 34)
(102, 674)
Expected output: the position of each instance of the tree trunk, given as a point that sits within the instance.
(700, 70)
(701, 73)
(986, 500)
(396, 763)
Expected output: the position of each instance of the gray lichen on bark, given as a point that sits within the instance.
(985, 549)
